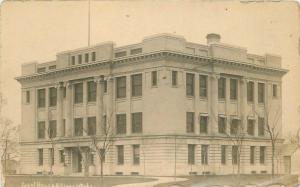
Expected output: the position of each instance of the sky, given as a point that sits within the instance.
(37, 30)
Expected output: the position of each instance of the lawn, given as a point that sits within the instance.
(44, 181)
(221, 180)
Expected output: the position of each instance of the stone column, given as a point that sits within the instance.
(110, 104)
(47, 112)
(213, 103)
(99, 104)
(67, 164)
(255, 107)
(69, 109)
(84, 104)
(59, 109)
(243, 103)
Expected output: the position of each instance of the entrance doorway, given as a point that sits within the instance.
(76, 161)
(287, 164)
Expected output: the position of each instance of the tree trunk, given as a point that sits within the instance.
(273, 154)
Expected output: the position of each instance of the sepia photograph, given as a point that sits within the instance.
(149, 93)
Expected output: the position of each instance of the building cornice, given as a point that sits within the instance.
(150, 56)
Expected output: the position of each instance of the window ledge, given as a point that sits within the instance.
(190, 97)
(91, 103)
(203, 98)
(119, 100)
(134, 98)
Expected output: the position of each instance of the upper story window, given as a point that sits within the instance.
(41, 70)
(120, 154)
(121, 124)
(203, 124)
(262, 154)
(233, 89)
(136, 154)
(52, 97)
(73, 60)
(274, 90)
(252, 154)
(261, 126)
(86, 57)
(136, 85)
(27, 96)
(190, 84)
(190, 122)
(93, 56)
(154, 78)
(41, 129)
(137, 122)
(261, 92)
(105, 86)
(136, 51)
(91, 126)
(174, 78)
(78, 95)
(52, 129)
(191, 154)
(52, 67)
(235, 153)
(121, 87)
(120, 54)
(250, 127)
(222, 88)
(222, 125)
(250, 91)
(41, 157)
(91, 88)
(204, 154)
(41, 98)
(223, 154)
(234, 127)
(203, 85)
(78, 127)
(79, 59)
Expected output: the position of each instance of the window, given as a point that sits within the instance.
(189, 122)
(41, 70)
(203, 124)
(52, 67)
(121, 87)
(52, 129)
(27, 96)
(203, 85)
(222, 125)
(204, 154)
(64, 92)
(120, 54)
(73, 60)
(154, 78)
(86, 57)
(105, 86)
(235, 153)
(233, 89)
(250, 91)
(137, 122)
(41, 129)
(261, 92)
(223, 154)
(79, 59)
(78, 96)
(222, 88)
(274, 88)
(61, 156)
(93, 56)
(120, 152)
(78, 127)
(136, 85)
(136, 51)
(40, 157)
(63, 127)
(136, 154)
(234, 127)
(52, 97)
(191, 154)
(91, 159)
(250, 127)
(51, 155)
(91, 126)
(262, 153)
(261, 126)
(41, 98)
(190, 86)
(91, 86)
(174, 78)
(121, 124)
(252, 154)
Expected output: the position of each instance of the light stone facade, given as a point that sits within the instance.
(164, 139)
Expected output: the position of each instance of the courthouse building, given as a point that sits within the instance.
(175, 107)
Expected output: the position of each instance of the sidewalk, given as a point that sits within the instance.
(159, 180)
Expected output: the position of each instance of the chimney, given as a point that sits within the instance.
(213, 38)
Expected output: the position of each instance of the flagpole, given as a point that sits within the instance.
(89, 21)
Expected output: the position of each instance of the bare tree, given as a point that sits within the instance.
(51, 135)
(271, 127)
